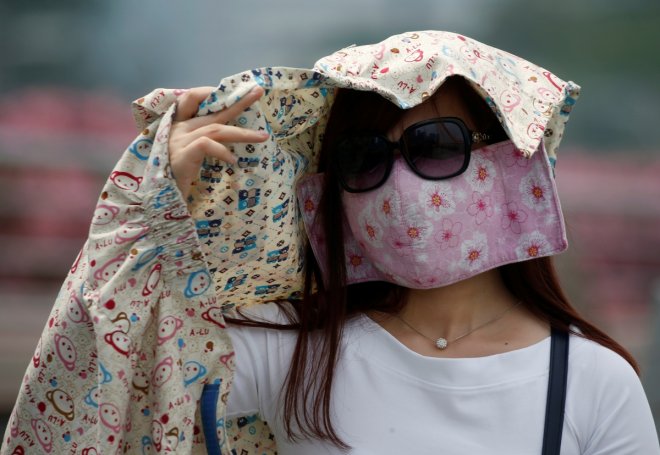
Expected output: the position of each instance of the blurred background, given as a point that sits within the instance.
(69, 70)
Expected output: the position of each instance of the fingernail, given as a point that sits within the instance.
(233, 159)
(255, 90)
(264, 133)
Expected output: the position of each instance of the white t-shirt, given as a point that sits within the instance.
(387, 399)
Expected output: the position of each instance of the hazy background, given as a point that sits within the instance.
(68, 71)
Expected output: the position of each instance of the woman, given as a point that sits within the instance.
(428, 298)
(357, 364)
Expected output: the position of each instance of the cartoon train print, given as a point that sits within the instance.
(246, 420)
(286, 104)
(211, 173)
(248, 162)
(248, 198)
(278, 160)
(263, 76)
(208, 228)
(266, 289)
(235, 281)
(277, 255)
(280, 211)
(245, 244)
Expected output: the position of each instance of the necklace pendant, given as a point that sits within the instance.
(441, 343)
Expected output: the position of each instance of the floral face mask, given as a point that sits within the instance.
(423, 234)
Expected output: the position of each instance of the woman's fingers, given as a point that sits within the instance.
(188, 103)
(229, 113)
(185, 165)
(227, 133)
(239, 106)
(204, 146)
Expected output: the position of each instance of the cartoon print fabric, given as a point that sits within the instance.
(423, 234)
(531, 103)
(135, 339)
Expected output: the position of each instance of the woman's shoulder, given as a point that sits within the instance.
(592, 358)
(606, 406)
(598, 374)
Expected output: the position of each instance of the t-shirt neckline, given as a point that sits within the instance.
(376, 344)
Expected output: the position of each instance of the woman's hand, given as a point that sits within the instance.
(193, 138)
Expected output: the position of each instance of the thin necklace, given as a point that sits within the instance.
(442, 343)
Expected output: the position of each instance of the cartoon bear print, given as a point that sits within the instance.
(104, 214)
(228, 361)
(119, 340)
(109, 415)
(125, 180)
(548, 95)
(76, 263)
(507, 63)
(76, 311)
(469, 53)
(177, 213)
(103, 374)
(110, 268)
(140, 381)
(162, 372)
(489, 83)
(509, 100)
(553, 80)
(157, 434)
(198, 282)
(140, 148)
(18, 450)
(542, 107)
(192, 371)
(130, 231)
(535, 130)
(146, 257)
(43, 433)
(66, 351)
(167, 328)
(92, 397)
(36, 358)
(214, 315)
(62, 402)
(172, 440)
(147, 446)
(153, 280)
(122, 322)
(220, 431)
(14, 424)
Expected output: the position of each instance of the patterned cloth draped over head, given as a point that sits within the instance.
(134, 357)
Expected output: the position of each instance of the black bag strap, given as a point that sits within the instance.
(554, 408)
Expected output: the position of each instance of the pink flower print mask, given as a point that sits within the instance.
(423, 233)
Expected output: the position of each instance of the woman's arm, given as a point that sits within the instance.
(123, 358)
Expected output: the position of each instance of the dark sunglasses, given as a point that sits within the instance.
(435, 149)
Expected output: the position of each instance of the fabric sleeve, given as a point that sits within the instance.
(135, 333)
(615, 409)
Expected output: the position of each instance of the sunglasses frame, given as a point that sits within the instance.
(469, 139)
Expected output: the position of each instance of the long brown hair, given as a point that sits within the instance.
(319, 317)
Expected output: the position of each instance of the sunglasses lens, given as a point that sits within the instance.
(437, 149)
(362, 161)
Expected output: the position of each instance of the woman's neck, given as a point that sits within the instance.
(471, 306)
(451, 311)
